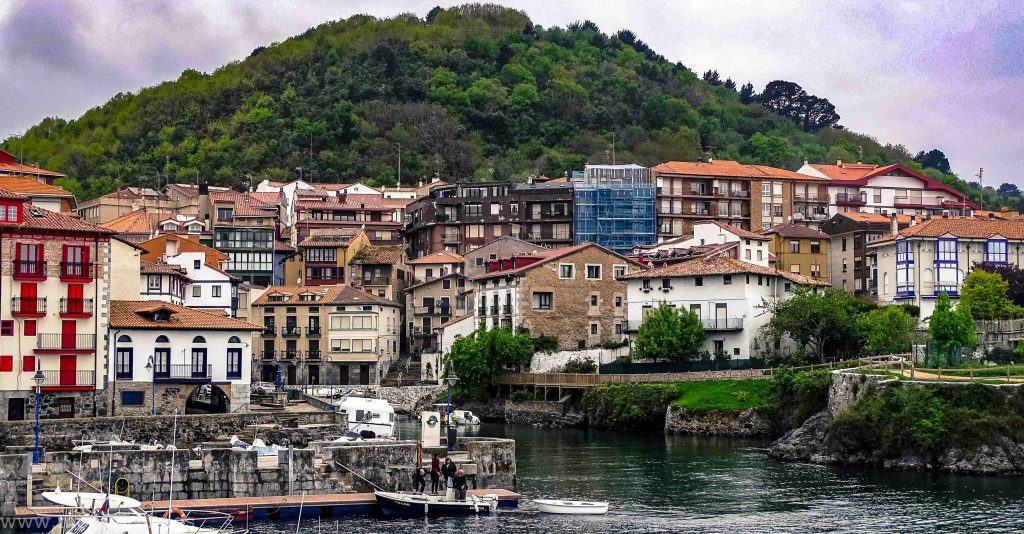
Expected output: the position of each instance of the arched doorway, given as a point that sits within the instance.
(207, 398)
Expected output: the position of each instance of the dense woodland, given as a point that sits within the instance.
(468, 93)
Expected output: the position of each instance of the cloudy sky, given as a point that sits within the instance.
(946, 74)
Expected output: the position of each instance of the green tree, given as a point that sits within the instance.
(888, 330)
(985, 294)
(950, 331)
(480, 357)
(826, 322)
(668, 333)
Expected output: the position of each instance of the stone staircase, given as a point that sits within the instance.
(404, 372)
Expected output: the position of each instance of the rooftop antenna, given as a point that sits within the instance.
(981, 187)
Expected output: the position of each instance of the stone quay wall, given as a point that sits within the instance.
(57, 434)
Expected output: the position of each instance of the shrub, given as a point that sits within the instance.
(521, 395)
(581, 366)
(545, 344)
(800, 394)
(633, 405)
(612, 345)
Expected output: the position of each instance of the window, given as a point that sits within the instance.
(199, 339)
(593, 272)
(446, 283)
(815, 247)
(746, 254)
(666, 283)
(234, 369)
(618, 302)
(196, 264)
(844, 265)
(133, 398)
(619, 271)
(698, 281)
(794, 246)
(995, 251)
(225, 214)
(795, 269)
(777, 208)
(766, 189)
(6, 364)
(7, 328)
(593, 329)
(495, 208)
(472, 210)
(727, 279)
(766, 210)
(816, 270)
(28, 363)
(123, 363)
(480, 261)
(565, 270)
(542, 300)
(153, 282)
(593, 300)
(777, 190)
(29, 327)
(197, 290)
(474, 230)
(124, 339)
(844, 244)
(947, 274)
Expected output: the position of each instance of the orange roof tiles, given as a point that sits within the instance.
(334, 294)
(35, 218)
(8, 165)
(136, 314)
(135, 222)
(872, 218)
(798, 231)
(11, 195)
(728, 169)
(968, 228)
(146, 267)
(438, 257)
(844, 171)
(31, 187)
(380, 255)
(719, 265)
(547, 256)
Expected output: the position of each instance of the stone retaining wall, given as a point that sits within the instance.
(544, 362)
(554, 414)
(748, 423)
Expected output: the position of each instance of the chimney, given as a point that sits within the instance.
(913, 220)
(839, 162)
(894, 226)
(205, 208)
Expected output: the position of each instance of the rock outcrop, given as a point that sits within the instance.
(747, 423)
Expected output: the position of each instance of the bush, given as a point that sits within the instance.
(545, 344)
(521, 395)
(578, 365)
(800, 394)
(1003, 356)
(612, 345)
(628, 405)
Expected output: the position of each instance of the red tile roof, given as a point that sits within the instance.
(964, 227)
(146, 267)
(438, 257)
(334, 294)
(860, 175)
(135, 222)
(131, 314)
(340, 237)
(745, 234)
(9, 165)
(380, 255)
(719, 265)
(872, 218)
(30, 187)
(11, 195)
(795, 231)
(729, 169)
(246, 204)
(35, 218)
(547, 256)
(844, 171)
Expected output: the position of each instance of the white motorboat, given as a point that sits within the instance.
(555, 506)
(403, 504)
(101, 513)
(459, 417)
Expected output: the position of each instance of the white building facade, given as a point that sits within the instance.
(208, 288)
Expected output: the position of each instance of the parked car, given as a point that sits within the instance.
(263, 388)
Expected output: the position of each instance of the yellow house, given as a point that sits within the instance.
(324, 256)
(799, 250)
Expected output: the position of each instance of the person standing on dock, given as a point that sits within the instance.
(448, 470)
(459, 482)
(435, 473)
(419, 480)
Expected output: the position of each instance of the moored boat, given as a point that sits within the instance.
(555, 506)
(394, 504)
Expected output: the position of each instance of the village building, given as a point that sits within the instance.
(439, 292)
(574, 294)
(502, 247)
(13, 166)
(165, 358)
(54, 318)
(323, 257)
(851, 263)
(380, 270)
(800, 250)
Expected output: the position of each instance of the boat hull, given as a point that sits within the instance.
(399, 505)
(571, 507)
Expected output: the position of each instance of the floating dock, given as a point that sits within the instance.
(283, 507)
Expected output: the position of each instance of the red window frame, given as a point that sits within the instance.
(6, 363)
(7, 327)
(30, 327)
(28, 364)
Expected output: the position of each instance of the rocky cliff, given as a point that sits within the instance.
(746, 424)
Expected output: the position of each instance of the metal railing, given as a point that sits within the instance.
(69, 378)
(848, 198)
(66, 341)
(183, 371)
(291, 331)
(29, 269)
(312, 330)
(724, 323)
(76, 306)
(28, 305)
(77, 270)
(313, 355)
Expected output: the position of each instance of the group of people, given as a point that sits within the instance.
(447, 473)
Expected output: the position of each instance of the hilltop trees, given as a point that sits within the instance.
(790, 100)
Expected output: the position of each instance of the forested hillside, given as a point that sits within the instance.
(467, 93)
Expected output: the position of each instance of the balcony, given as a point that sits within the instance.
(267, 355)
(373, 281)
(291, 331)
(723, 324)
(739, 193)
(846, 199)
(420, 331)
(494, 310)
(68, 380)
(481, 311)
(289, 354)
(313, 355)
(432, 310)
(506, 309)
(31, 307)
(66, 342)
(184, 373)
(77, 271)
(76, 307)
(312, 331)
(451, 239)
(29, 270)
(269, 330)
(819, 216)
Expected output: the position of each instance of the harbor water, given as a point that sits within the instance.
(689, 484)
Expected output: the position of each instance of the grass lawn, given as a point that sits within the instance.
(724, 394)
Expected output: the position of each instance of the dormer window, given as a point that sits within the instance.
(161, 316)
(277, 298)
(307, 297)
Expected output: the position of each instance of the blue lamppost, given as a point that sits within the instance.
(38, 378)
(152, 378)
(452, 379)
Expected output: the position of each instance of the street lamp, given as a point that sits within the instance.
(38, 378)
(152, 379)
(452, 379)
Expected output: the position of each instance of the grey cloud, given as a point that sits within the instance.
(45, 32)
(1008, 50)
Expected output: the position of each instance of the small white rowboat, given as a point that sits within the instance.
(552, 506)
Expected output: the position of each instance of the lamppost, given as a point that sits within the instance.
(38, 378)
(452, 379)
(152, 378)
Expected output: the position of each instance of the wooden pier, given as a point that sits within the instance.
(282, 507)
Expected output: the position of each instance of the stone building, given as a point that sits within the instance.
(381, 270)
(502, 247)
(799, 250)
(438, 294)
(326, 335)
(572, 293)
(162, 355)
(750, 197)
(55, 277)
